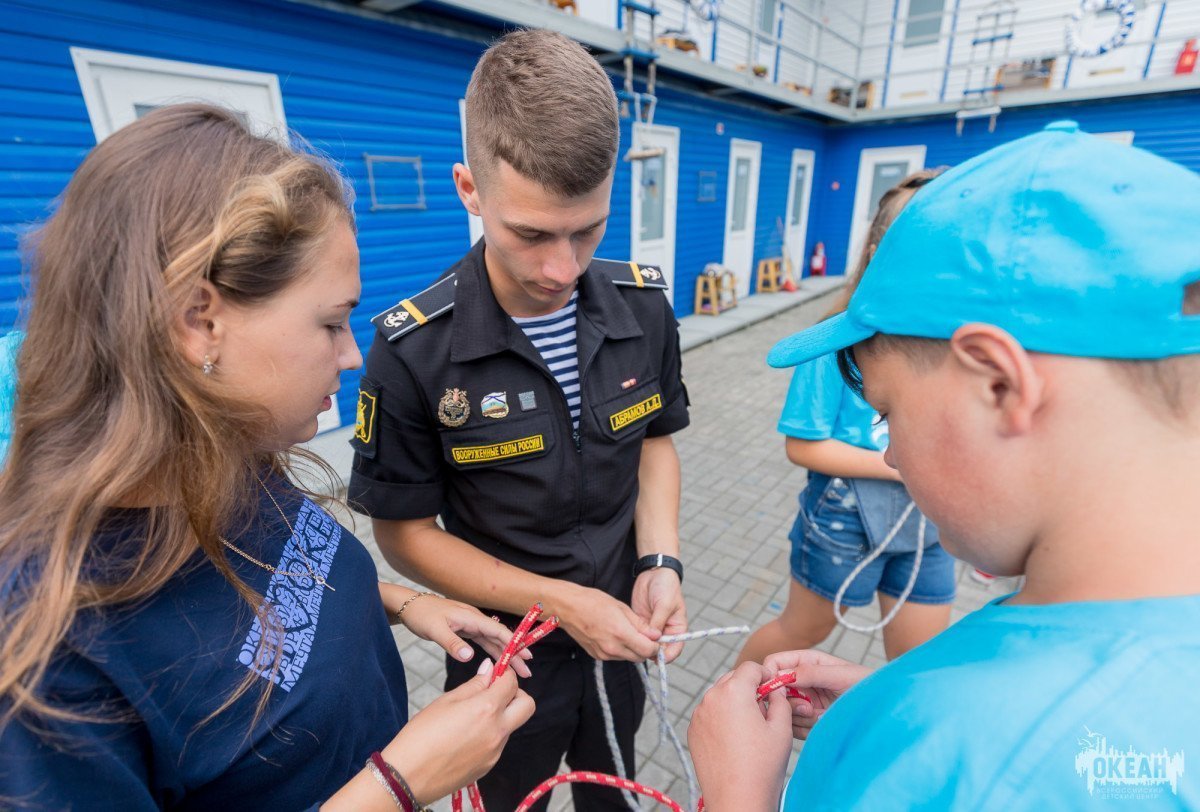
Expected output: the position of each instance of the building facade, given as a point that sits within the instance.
(733, 167)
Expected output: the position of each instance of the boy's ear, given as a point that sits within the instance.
(201, 325)
(468, 192)
(1005, 377)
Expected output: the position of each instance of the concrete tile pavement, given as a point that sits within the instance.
(738, 503)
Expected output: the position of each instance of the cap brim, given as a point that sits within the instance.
(828, 336)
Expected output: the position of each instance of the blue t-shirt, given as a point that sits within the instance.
(1062, 706)
(157, 670)
(820, 406)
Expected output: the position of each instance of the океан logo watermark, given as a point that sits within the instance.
(1128, 774)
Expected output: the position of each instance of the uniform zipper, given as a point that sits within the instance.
(583, 368)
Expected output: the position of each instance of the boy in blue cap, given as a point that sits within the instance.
(1030, 326)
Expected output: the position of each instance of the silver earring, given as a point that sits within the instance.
(208, 367)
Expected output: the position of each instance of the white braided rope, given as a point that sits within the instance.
(659, 703)
(686, 636)
(610, 732)
(665, 728)
(878, 551)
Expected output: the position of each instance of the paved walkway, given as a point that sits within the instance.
(739, 500)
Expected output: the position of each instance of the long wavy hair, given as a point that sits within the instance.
(109, 412)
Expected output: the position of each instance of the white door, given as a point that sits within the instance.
(120, 88)
(796, 222)
(655, 185)
(741, 209)
(878, 170)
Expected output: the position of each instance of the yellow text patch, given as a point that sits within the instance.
(635, 412)
(466, 455)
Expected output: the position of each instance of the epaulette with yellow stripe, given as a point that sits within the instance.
(420, 309)
(629, 274)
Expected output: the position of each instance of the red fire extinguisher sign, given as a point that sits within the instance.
(816, 264)
(1187, 58)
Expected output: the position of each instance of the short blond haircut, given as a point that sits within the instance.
(539, 102)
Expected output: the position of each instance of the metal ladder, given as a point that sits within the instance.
(639, 106)
(990, 48)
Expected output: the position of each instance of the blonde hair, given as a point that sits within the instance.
(109, 413)
(539, 102)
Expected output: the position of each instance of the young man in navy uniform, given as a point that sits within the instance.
(528, 398)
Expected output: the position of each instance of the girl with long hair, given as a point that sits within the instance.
(180, 625)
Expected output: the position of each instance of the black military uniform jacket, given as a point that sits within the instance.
(458, 415)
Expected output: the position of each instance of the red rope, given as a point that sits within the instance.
(783, 680)
(603, 780)
(522, 638)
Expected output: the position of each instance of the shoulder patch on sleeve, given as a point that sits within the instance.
(366, 423)
(630, 274)
(411, 313)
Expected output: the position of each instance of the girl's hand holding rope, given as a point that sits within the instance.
(457, 738)
(447, 622)
(822, 677)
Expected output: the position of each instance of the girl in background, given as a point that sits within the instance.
(852, 503)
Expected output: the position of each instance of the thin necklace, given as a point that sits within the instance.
(311, 573)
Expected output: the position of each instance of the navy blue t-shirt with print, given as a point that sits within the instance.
(153, 673)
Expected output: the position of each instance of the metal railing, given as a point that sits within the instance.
(807, 31)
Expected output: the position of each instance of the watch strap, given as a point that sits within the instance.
(650, 562)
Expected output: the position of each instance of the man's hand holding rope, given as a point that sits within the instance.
(658, 600)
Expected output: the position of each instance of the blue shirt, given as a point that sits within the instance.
(1062, 706)
(338, 692)
(820, 406)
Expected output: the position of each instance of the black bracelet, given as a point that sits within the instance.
(649, 562)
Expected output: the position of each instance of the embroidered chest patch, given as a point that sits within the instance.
(636, 412)
(467, 455)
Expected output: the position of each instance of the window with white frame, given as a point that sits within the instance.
(121, 88)
(766, 16)
(118, 89)
(923, 25)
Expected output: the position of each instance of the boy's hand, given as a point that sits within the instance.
(822, 677)
(740, 750)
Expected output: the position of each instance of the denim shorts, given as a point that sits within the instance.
(829, 540)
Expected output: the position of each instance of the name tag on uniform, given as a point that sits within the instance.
(635, 412)
(466, 455)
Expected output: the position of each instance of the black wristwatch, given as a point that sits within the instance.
(649, 562)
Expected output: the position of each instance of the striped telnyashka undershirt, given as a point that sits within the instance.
(553, 335)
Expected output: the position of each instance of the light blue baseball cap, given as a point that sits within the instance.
(1072, 244)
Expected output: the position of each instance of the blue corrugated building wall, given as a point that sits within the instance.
(353, 85)
(701, 226)
(1167, 125)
